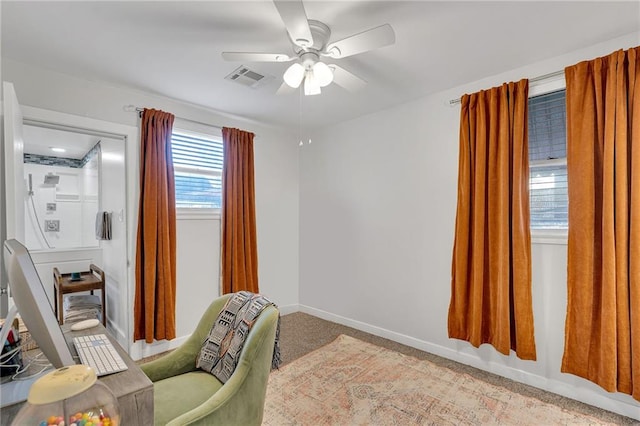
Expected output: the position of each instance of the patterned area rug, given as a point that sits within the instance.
(350, 382)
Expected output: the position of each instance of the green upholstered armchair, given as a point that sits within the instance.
(184, 395)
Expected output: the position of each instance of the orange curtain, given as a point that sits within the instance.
(155, 298)
(491, 271)
(239, 244)
(602, 328)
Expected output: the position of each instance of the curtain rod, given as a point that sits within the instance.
(132, 108)
(531, 80)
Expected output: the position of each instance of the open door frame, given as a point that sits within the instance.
(11, 183)
(13, 200)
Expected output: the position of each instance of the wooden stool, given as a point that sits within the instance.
(89, 281)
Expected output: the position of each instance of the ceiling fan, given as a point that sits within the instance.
(310, 41)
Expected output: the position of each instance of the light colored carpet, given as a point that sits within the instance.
(351, 382)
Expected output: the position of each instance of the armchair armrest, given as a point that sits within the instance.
(183, 358)
(180, 361)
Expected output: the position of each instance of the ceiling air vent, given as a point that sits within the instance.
(246, 77)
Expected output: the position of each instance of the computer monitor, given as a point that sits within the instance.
(33, 304)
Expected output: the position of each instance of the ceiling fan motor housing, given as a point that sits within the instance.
(320, 33)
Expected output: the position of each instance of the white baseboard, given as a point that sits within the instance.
(141, 349)
(584, 391)
(289, 309)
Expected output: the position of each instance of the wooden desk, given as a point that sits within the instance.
(93, 279)
(132, 387)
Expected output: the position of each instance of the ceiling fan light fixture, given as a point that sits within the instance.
(294, 75)
(311, 40)
(311, 86)
(322, 73)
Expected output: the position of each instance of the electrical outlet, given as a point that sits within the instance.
(52, 225)
(51, 207)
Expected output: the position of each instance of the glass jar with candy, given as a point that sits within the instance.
(69, 396)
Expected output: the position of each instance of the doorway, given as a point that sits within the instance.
(75, 196)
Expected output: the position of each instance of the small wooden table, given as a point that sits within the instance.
(93, 279)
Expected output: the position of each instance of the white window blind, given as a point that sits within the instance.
(197, 162)
(548, 161)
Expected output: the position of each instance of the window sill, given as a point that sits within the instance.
(549, 236)
(197, 214)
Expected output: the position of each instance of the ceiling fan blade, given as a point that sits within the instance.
(256, 57)
(362, 42)
(295, 20)
(285, 89)
(346, 79)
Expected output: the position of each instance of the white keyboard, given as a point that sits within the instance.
(97, 352)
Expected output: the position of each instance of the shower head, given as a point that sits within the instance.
(51, 179)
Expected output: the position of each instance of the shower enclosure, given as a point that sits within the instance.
(62, 188)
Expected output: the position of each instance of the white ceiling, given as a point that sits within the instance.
(40, 140)
(173, 48)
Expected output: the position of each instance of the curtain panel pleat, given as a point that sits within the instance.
(239, 241)
(491, 268)
(602, 328)
(155, 295)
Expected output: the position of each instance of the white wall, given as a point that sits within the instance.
(276, 173)
(377, 213)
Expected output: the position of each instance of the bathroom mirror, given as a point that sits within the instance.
(62, 169)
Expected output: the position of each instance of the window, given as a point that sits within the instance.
(197, 162)
(548, 161)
